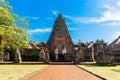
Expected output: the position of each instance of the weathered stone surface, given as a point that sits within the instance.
(60, 37)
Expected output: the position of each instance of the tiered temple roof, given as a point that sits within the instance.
(90, 45)
(80, 44)
(42, 44)
(32, 45)
(115, 44)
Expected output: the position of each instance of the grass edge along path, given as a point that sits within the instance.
(105, 72)
(18, 72)
(91, 72)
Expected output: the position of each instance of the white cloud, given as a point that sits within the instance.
(73, 29)
(55, 12)
(78, 19)
(116, 35)
(40, 30)
(110, 15)
(33, 18)
(46, 30)
(49, 18)
(118, 3)
(117, 23)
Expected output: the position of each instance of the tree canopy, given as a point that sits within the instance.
(12, 28)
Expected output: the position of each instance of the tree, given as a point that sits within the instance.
(6, 22)
(104, 54)
(12, 28)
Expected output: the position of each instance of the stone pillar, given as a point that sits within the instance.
(18, 58)
(92, 54)
(42, 55)
(47, 59)
(64, 52)
(76, 56)
(56, 54)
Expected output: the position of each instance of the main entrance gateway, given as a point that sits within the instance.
(60, 39)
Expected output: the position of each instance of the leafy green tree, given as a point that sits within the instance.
(12, 28)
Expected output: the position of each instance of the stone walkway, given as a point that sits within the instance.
(63, 72)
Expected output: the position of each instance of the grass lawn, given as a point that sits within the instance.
(107, 72)
(16, 72)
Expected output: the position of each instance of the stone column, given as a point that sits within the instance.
(42, 55)
(18, 58)
(56, 54)
(47, 59)
(93, 57)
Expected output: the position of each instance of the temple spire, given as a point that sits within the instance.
(60, 16)
(60, 36)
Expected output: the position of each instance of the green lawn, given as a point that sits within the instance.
(16, 72)
(107, 72)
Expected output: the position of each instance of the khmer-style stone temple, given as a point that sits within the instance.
(60, 47)
(60, 38)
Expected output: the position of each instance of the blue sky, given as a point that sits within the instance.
(87, 20)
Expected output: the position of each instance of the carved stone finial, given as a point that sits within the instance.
(60, 15)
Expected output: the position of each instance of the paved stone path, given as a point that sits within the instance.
(63, 72)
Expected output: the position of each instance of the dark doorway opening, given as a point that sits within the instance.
(61, 58)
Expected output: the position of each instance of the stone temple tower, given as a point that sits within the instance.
(60, 37)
